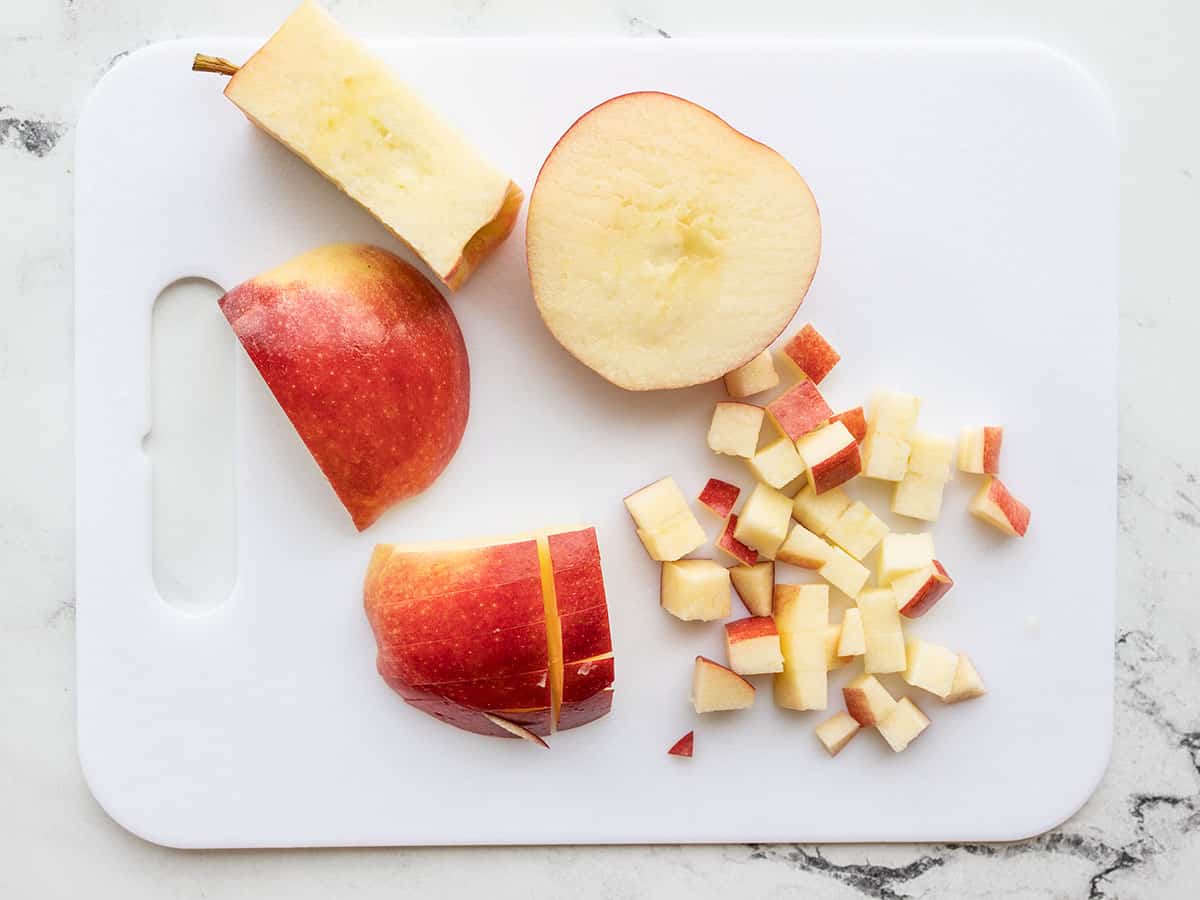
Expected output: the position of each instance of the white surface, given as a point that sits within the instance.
(964, 189)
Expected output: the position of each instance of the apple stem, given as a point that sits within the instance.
(215, 64)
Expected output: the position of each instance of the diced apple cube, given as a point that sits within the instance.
(817, 512)
(833, 637)
(967, 683)
(677, 538)
(1000, 509)
(801, 607)
(931, 455)
(857, 530)
(754, 377)
(804, 549)
(867, 701)
(735, 428)
(716, 688)
(979, 450)
(884, 456)
(844, 572)
(727, 543)
(763, 522)
(656, 504)
(855, 421)
(799, 410)
(755, 585)
(884, 634)
(917, 592)
(695, 590)
(777, 464)
(894, 413)
(830, 456)
(753, 646)
(900, 554)
(903, 725)
(804, 683)
(836, 731)
(809, 352)
(918, 497)
(719, 496)
(930, 667)
(852, 641)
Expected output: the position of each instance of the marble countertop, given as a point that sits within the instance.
(1139, 835)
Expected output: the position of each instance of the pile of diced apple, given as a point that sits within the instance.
(799, 513)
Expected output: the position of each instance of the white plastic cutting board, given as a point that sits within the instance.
(968, 201)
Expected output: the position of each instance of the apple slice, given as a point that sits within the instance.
(755, 585)
(804, 549)
(695, 590)
(735, 428)
(917, 592)
(857, 530)
(903, 726)
(716, 688)
(853, 640)
(900, 554)
(884, 456)
(883, 631)
(763, 523)
(867, 701)
(799, 410)
(844, 572)
(719, 496)
(817, 512)
(830, 456)
(918, 497)
(777, 464)
(836, 731)
(811, 354)
(752, 646)
(727, 543)
(855, 421)
(931, 455)
(665, 524)
(894, 413)
(930, 667)
(979, 450)
(684, 746)
(516, 730)
(1000, 509)
(754, 377)
(967, 683)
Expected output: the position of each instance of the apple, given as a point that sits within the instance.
(716, 688)
(755, 585)
(900, 554)
(817, 512)
(1000, 509)
(852, 640)
(799, 410)
(801, 613)
(918, 497)
(883, 631)
(727, 543)
(967, 684)
(695, 590)
(665, 524)
(811, 354)
(338, 107)
(801, 607)
(516, 730)
(777, 464)
(836, 731)
(719, 496)
(867, 701)
(366, 360)
(857, 530)
(833, 637)
(804, 549)
(855, 421)
(734, 428)
(684, 746)
(917, 591)
(894, 413)
(763, 523)
(930, 667)
(650, 220)
(979, 450)
(752, 646)
(844, 572)
(884, 456)
(754, 377)
(830, 456)
(931, 455)
(904, 724)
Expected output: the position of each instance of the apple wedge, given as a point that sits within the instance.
(1000, 509)
(755, 585)
(684, 747)
(516, 730)
(811, 354)
(836, 731)
(735, 428)
(716, 688)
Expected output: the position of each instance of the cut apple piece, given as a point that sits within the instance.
(804, 682)
(801, 607)
(917, 592)
(867, 701)
(833, 637)
(804, 549)
(809, 352)
(735, 428)
(695, 590)
(754, 377)
(855, 421)
(884, 456)
(716, 688)
(665, 524)
(967, 683)
(676, 539)
(852, 640)
(777, 464)
(893, 413)
(836, 731)
(979, 450)
(719, 496)
(918, 497)
(931, 455)
(684, 746)
(900, 554)
(753, 646)
(817, 512)
(1000, 509)
(857, 530)
(799, 410)
(516, 730)
(903, 726)
(830, 456)
(763, 523)
(727, 543)
(844, 572)
(930, 667)
(883, 631)
(755, 585)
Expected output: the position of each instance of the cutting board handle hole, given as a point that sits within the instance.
(190, 447)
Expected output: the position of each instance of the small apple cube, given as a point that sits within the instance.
(830, 456)
(801, 607)
(684, 746)
(917, 592)
(931, 455)
(855, 421)
(930, 667)
(716, 688)
(883, 632)
(967, 683)
(804, 549)
(804, 682)
(833, 637)
(852, 640)
(857, 530)
(900, 554)
(777, 464)
(764, 520)
(695, 590)
(884, 456)
(727, 543)
(799, 410)
(918, 497)
(809, 352)
(904, 724)
(735, 428)
(665, 523)
(754, 377)
(979, 450)
(719, 496)
(755, 585)
(817, 512)
(677, 538)
(867, 701)
(836, 731)
(1000, 509)
(844, 572)
(894, 413)
(753, 646)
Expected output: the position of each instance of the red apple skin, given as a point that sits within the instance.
(366, 359)
(743, 553)
(719, 496)
(936, 587)
(582, 712)
(855, 421)
(858, 707)
(1013, 509)
(753, 627)
(479, 656)
(812, 354)
(684, 746)
(799, 410)
(836, 470)
(992, 437)
(579, 590)
(585, 678)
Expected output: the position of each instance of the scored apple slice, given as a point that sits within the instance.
(695, 590)
(727, 543)
(752, 646)
(830, 456)
(684, 746)
(967, 683)
(811, 354)
(719, 496)
(903, 725)
(900, 554)
(855, 421)
(516, 730)
(755, 585)
(777, 464)
(763, 522)
(836, 731)
(716, 688)
(844, 572)
(867, 700)
(979, 450)
(735, 428)
(754, 377)
(917, 592)
(817, 512)
(853, 640)
(857, 530)
(918, 497)
(799, 410)
(883, 632)
(804, 549)
(666, 525)
(930, 667)
(1000, 509)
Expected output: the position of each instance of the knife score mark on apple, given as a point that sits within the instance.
(190, 447)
